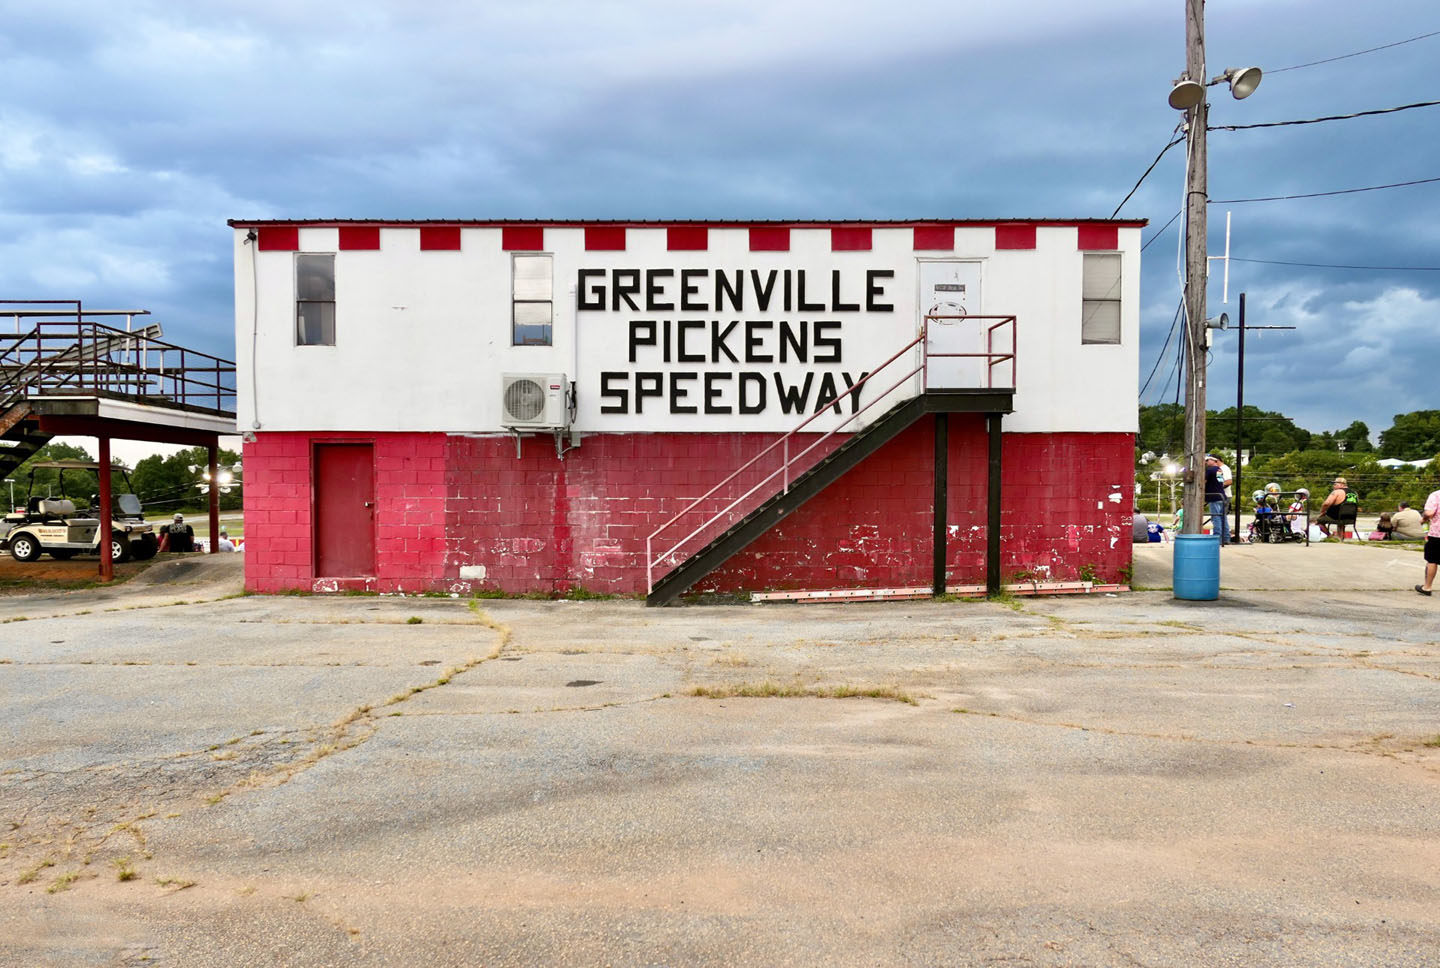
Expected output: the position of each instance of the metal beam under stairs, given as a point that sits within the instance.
(826, 472)
(19, 438)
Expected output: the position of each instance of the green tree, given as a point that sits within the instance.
(1412, 436)
(1356, 438)
(167, 484)
(79, 486)
(1264, 431)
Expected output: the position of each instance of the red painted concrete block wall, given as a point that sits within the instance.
(539, 524)
(409, 512)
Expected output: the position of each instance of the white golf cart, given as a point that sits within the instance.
(52, 525)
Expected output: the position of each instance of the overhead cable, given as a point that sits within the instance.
(1332, 117)
(1173, 324)
(1144, 176)
(1331, 265)
(1368, 50)
(1343, 191)
(1160, 231)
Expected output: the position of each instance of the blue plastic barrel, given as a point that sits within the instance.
(1197, 567)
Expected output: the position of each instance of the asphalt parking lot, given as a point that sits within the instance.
(193, 778)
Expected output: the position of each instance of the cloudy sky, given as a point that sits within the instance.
(132, 131)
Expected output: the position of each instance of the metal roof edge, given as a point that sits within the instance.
(662, 223)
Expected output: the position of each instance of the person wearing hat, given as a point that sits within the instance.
(1215, 499)
(224, 543)
(179, 536)
(1295, 514)
(1339, 509)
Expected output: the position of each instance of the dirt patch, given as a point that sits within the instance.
(47, 574)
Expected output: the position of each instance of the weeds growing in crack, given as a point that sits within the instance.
(358, 725)
(775, 690)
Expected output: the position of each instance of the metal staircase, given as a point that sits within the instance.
(64, 356)
(800, 481)
(20, 438)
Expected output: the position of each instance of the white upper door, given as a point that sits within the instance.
(951, 291)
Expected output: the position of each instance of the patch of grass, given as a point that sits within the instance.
(414, 620)
(1432, 742)
(582, 594)
(178, 883)
(63, 882)
(1005, 597)
(770, 689)
(300, 898)
(33, 873)
(124, 869)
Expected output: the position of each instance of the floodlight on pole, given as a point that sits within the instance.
(1183, 97)
(1186, 94)
(1242, 80)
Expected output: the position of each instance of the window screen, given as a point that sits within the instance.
(533, 295)
(1100, 299)
(314, 300)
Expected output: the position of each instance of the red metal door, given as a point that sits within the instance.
(344, 510)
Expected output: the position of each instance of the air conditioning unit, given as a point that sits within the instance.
(534, 400)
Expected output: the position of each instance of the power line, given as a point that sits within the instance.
(1331, 265)
(1368, 50)
(1161, 355)
(1147, 173)
(1332, 117)
(1160, 231)
(1343, 191)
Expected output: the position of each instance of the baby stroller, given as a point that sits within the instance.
(1270, 526)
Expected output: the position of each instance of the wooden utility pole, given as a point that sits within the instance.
(1196, 270)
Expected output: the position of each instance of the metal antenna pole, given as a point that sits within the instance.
(1196, 267)
(1239, 417)
(1240, 410)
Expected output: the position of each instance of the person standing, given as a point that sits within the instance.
(1215, 499)
(1432, 542)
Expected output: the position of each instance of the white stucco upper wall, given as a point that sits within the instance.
(423, 337)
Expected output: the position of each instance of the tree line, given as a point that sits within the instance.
(1293, 457)
(163, 484)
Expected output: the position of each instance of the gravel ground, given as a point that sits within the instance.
(1065, 781)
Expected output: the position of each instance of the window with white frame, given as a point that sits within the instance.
(314, 300)
(532, 291)
(1100, 298)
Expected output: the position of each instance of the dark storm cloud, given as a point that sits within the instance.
(134, 130)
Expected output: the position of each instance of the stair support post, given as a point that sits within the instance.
(214, 498)
(942, 482)
(992, 509)
(107, 563)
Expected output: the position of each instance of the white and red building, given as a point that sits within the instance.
(520, 406)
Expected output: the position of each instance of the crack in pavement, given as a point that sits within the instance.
(34, 840)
